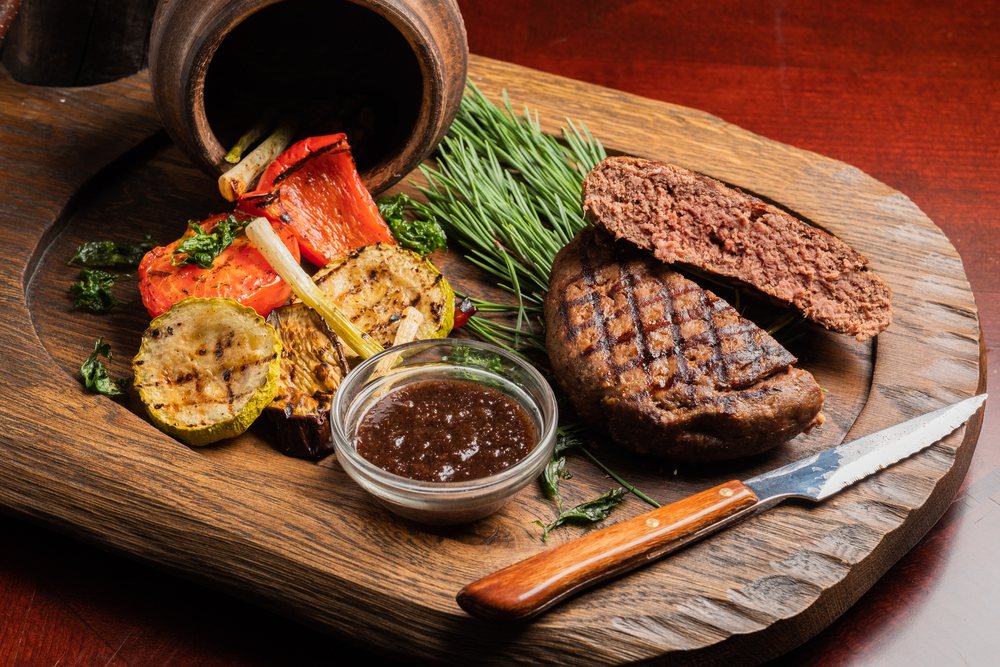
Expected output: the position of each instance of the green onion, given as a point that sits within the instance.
(258, 130)
(238, 180)
(277, 255)
(509, 193)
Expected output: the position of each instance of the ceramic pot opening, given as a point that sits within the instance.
(336, 65)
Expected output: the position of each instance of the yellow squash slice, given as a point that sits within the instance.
(206, 369)
(373, 285)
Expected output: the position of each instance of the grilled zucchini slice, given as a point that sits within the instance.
(373, 285)
(312, 367)
(206, 368)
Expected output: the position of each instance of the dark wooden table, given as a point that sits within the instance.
(907, 92)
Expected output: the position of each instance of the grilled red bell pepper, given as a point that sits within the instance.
(314, 187)
(240, 273)
(463, 311)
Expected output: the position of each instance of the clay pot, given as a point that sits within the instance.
(389, 73)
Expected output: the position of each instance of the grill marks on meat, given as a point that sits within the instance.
(684, 217)
(661, 364)
(635, 321)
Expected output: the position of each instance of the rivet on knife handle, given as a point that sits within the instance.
(531, 586)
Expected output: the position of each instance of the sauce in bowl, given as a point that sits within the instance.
(456, 380)
(445, 430)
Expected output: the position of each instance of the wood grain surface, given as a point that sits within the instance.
(205, 632)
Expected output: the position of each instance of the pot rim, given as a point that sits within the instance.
(204, 40)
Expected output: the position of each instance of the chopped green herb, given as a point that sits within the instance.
(93, 291)
(585, 513)
(569, 438)
(95, 375)
(551, 477)
(204, 247)
(554, 471)
(467, 356)
(424, 236)
(595, 510)
(112, 253)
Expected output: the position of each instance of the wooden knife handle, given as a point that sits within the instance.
(531, 586)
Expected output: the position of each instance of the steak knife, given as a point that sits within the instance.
(535, 584)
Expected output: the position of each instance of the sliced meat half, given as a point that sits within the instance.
(685, 217)
(664, 366)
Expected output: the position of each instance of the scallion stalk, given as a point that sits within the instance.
(407, 332)
(238, 180)
(256, 131)
(277, 255)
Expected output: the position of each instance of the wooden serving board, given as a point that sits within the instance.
(301, 538)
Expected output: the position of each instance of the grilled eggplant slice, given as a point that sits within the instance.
(312, 367)
(373, 286)
(206, 369)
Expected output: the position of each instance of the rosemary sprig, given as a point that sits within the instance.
(489, 332)
(490, 307)
(508, 192)
(510, 335)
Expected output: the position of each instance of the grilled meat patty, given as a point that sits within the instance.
(685, 217)
(664, 366)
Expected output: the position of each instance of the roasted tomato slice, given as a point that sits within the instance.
(239, 273)
(314, 187)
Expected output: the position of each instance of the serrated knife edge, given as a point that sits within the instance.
(823, 474)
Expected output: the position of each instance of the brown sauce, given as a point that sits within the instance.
(445, 431)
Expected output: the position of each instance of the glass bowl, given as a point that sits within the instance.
(469, 360)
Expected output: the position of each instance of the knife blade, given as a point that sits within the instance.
(531, 586)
